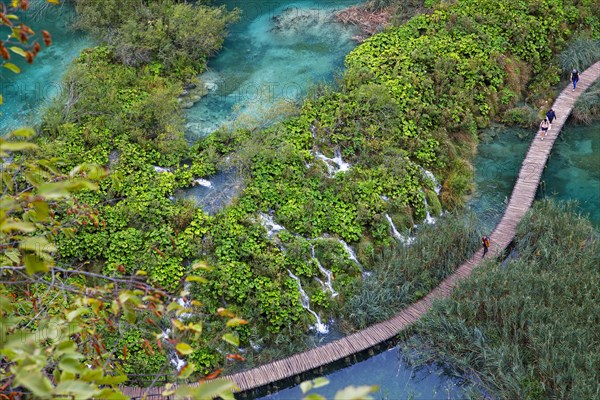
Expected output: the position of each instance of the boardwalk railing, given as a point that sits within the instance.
(520, 201)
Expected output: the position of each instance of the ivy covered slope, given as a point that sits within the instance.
(526, 328)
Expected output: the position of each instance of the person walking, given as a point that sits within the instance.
(574, 78)
(485, 241)
(544, 126)
(551, 115)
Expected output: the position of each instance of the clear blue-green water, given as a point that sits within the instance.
(276, 51)
(499, 157)
(573, 171)
(26, 94)
(395, 379)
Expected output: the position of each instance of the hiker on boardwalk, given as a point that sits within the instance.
(551, 115)
(574, 78)
(544, 126)
(485, 241)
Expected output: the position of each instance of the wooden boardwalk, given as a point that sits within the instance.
(521, 200)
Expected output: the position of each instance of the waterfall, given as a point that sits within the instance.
(429, 175)
(176, 361)
(352, 257)
(184, 302)
(428, 218)
(319, 326)
(201, 182)
(335, 164)
(270, 225)
(405, 240)
(327, 273)
(161, 170)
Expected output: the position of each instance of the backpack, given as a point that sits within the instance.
(486, 241)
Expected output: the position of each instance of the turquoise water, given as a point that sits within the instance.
(395, 379)
(26, 94)
(275, 52)
(497, 164)
(573, 171)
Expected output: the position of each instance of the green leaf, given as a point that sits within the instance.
(34, 381)
(306, 386)
(34, 264)
(76, 389)
(12, 67)
(320, 382)
(208, 390)
(17, 146)
(184, 348)
(231, 339)
(355, 393)
(186, 371)
(314, 396)
(70, 365)
(236, 322)
(38, 245)
(193, 278)
(23, 132)
(18, 50)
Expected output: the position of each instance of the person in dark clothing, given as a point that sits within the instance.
(485, 241)
(550, 115)
(574, 78)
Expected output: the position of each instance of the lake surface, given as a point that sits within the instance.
(275, 53)
(26, 94)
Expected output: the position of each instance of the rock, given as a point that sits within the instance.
(190, 86)
(187, 104)
(211, 86)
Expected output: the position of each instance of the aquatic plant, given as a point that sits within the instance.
(525, 327)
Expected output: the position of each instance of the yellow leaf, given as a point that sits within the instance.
(12, 67)
(18, 50)
(184, 348)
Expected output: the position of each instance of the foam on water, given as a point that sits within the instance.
(319, 326)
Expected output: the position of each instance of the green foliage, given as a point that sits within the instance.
(522, 326)
(403, 274)
(174, 38)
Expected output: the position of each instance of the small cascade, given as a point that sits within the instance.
(352, 257)
(161, 170)
(405, 240)
(201, 182)
(428, 218)
(319, 326)
(184, 302)
(429, 175)
(177, 362)
(335, 164)
(270, 225)
(327, 285)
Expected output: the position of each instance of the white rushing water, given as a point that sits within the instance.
(428, 218)
(431, 176)
(352, 257)
(320, 327)
(161, 170)
(327, 273)
(407, 240)
(184, 301)
(201, 182)
(335, 164)
(270, 225)
(176, 361)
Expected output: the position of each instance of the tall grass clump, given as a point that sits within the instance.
(525, 328)
(403, 274)
(587, 107)
(580, 53)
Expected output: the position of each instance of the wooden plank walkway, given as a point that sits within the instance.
(520, 201)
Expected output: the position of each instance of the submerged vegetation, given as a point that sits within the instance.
(344, 173)
(525, 328)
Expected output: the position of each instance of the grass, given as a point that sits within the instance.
(403, 274)
(526, 328)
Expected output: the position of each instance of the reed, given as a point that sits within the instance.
(525, 328)
(403, 274)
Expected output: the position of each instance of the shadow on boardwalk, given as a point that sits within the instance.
(520, 201)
